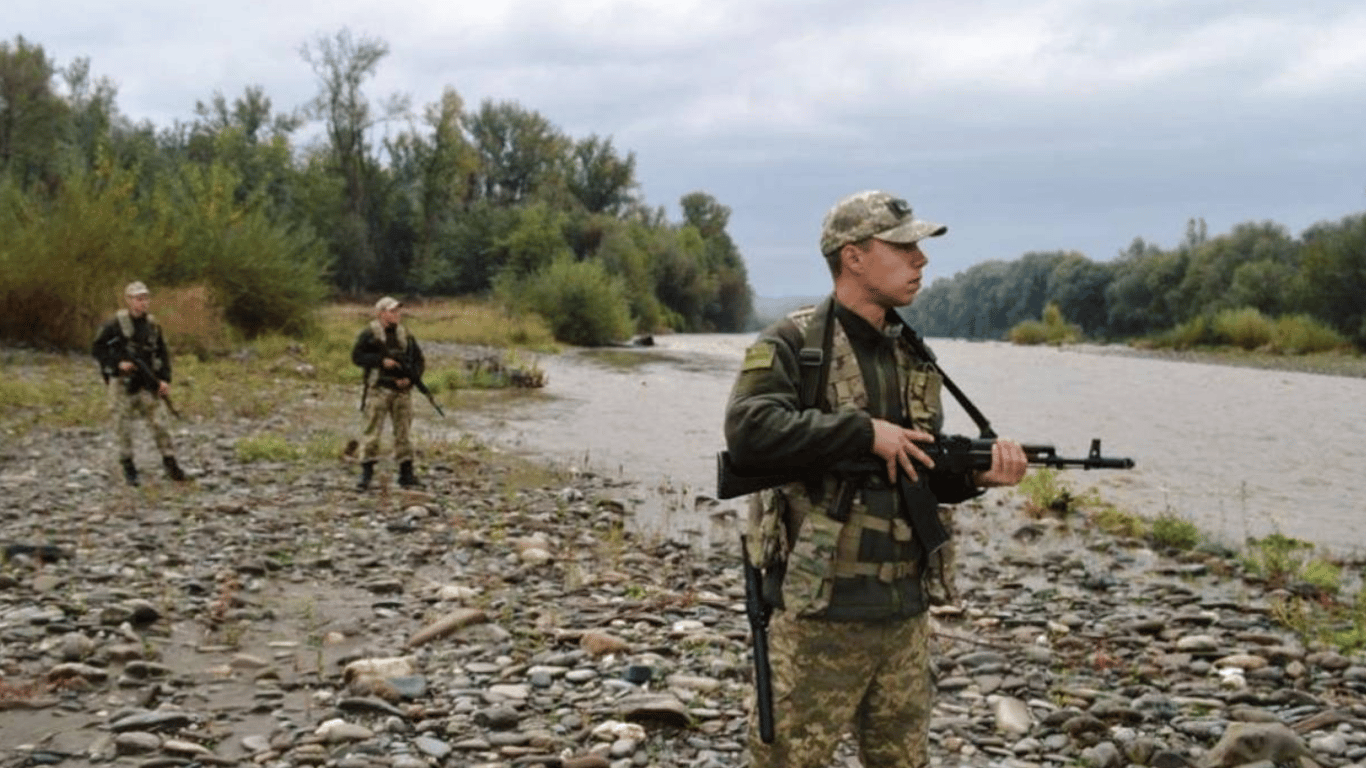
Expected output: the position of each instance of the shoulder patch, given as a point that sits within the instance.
(759, 357)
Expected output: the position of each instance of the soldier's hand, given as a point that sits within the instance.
(402, 383)
(390, 362)
(163, 389)
(126, 366)
(1008, 465)
(897, 446)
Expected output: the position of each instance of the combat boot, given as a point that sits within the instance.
(406, 478)
(130, 472)
(173, 470)
(367, 474)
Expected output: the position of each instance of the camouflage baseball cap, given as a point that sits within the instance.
(873, 214)
(136, 288)
(387, 303)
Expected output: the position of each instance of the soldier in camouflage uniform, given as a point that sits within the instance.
(392, 361)
(849, 639)
(133, 336)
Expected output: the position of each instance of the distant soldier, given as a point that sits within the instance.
(137, 371)
(393, 363)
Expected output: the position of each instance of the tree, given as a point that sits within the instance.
(521, 153)
(342, 65)
(599, 179)
(30, 113)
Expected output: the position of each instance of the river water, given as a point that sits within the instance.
(1239, 451)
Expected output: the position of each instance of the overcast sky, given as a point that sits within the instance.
(1024, 125)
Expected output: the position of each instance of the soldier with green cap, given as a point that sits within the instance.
(392, 363)
(136, 366)
(849, 638)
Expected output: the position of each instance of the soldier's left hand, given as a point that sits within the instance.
(1008, 465)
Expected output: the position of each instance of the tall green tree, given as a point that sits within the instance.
(342, 64)
(30, 113)
(522, 154)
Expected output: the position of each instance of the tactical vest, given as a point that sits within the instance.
(399, 351)
(849, 553)
(145, 348)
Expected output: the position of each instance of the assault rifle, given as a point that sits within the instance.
(758, 612)
(952, 453)
(149, 378)
(403, 371)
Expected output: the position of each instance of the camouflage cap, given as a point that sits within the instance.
(387, 303)
(136, 288)
(873, 214)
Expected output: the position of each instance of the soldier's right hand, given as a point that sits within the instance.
(896, 445)
(126, 366)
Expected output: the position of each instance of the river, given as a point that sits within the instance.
(1239, 451)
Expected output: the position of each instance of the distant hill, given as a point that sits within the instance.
(770, 308)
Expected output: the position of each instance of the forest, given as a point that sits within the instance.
(1258, 268)
(443, 200)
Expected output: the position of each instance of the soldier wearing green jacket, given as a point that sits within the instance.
(849, 640)
(136, 367)
(392, 362)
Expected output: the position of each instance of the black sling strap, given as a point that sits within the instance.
(814, 360)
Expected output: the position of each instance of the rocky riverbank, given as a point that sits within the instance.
(267, 614)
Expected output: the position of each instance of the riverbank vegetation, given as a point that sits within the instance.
(1317, 595)
(273, 211)
(1256, 287)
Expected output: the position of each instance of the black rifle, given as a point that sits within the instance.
(148, 376)
(759, 611)
(952, 453)
(404, 371)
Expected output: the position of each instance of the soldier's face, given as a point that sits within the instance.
(893, 272)
(388, 317)
(137, 305)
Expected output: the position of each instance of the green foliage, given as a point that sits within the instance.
(266, 448)
(1053, 329)
(1170, 531)
(1116, 522)
(1045, 491)
(583, 304)
(1246, 328)
(1302, 334)
(1276, 558)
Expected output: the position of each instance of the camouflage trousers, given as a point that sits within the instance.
(396, 406)
(125, 408)
(830, 677)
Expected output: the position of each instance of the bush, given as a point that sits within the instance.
(1301, 334)
(1052, 329)
(582, 303)
(1247, 328)
(1186, 335)
(1172, 532)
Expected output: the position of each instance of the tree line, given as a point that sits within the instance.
(1258, 266)
(439, 201)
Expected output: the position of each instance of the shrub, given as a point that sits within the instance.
(266, 448)
(1276, 558)
(1301, 334)
(1247, 328)
(1052, 329)
(1172, 532)
(583, 304)
(1186, 335)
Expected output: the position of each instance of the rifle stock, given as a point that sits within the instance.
(953, 453)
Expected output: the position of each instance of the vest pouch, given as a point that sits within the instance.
(923, 389)
(939, 572)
